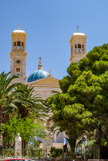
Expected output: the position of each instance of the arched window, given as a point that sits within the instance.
(18, 44)
(82, 46)
(79, 46)
(75, 46)
(14, 45)
(18, 71)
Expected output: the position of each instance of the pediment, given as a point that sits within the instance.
(48, 81)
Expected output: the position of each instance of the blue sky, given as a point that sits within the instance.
(49, 25)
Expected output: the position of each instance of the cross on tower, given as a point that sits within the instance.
(18, 26)
(77, 28)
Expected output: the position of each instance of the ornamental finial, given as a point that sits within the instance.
(40, 58)
(77, 28)
(18, 26)
(40, 64)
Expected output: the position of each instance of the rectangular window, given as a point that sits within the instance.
(17, 69)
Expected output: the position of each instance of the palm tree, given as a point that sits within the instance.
(25, 103)
(6, 89)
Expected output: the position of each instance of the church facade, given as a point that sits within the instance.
(43, 82)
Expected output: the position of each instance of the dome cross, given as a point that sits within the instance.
(40, 58)
(77, 28)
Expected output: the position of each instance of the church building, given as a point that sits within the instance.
(42, 81)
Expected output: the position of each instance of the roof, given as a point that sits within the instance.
(18, 31)
(79, 34)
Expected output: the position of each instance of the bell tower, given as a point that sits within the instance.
(78, 46)
(18, 55)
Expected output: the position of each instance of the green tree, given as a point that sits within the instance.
(27, 127)
(83, 105)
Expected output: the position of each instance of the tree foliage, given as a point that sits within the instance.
(83, 105)
(6, 89)
(19, 99)
(27, 127)
(24, 103)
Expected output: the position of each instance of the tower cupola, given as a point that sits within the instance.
(18, 40)
(78, 46)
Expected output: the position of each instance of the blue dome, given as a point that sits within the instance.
(38, 74)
